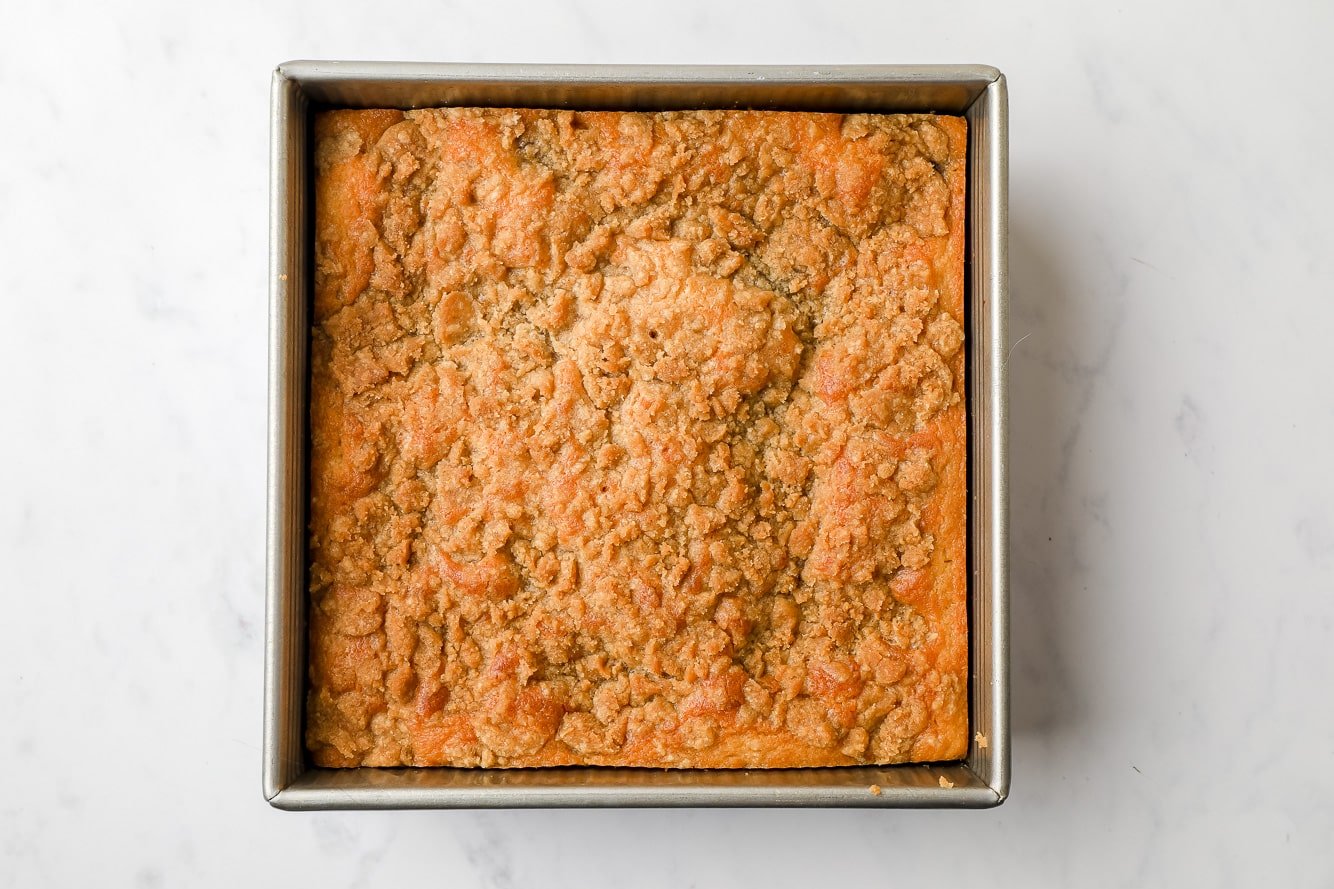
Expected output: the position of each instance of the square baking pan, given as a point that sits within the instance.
(299, 88)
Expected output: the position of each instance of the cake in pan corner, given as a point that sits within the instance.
(638, 439)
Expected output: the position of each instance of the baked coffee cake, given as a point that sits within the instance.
(638, 439)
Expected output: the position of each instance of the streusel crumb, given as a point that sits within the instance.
(638, 439)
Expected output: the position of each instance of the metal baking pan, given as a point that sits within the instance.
(978, 92)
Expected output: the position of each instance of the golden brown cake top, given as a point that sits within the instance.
(638, 439)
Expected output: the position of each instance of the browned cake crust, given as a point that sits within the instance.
(638, 439)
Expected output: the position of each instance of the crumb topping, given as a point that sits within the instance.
(638, 439)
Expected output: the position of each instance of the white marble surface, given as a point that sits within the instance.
(1173, 538)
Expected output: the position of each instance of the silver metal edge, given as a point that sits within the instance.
(989, 629)
(312, 73)
(299, 798)
(997, 96)
(284, 785)
(283, 648)
(947, 88)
